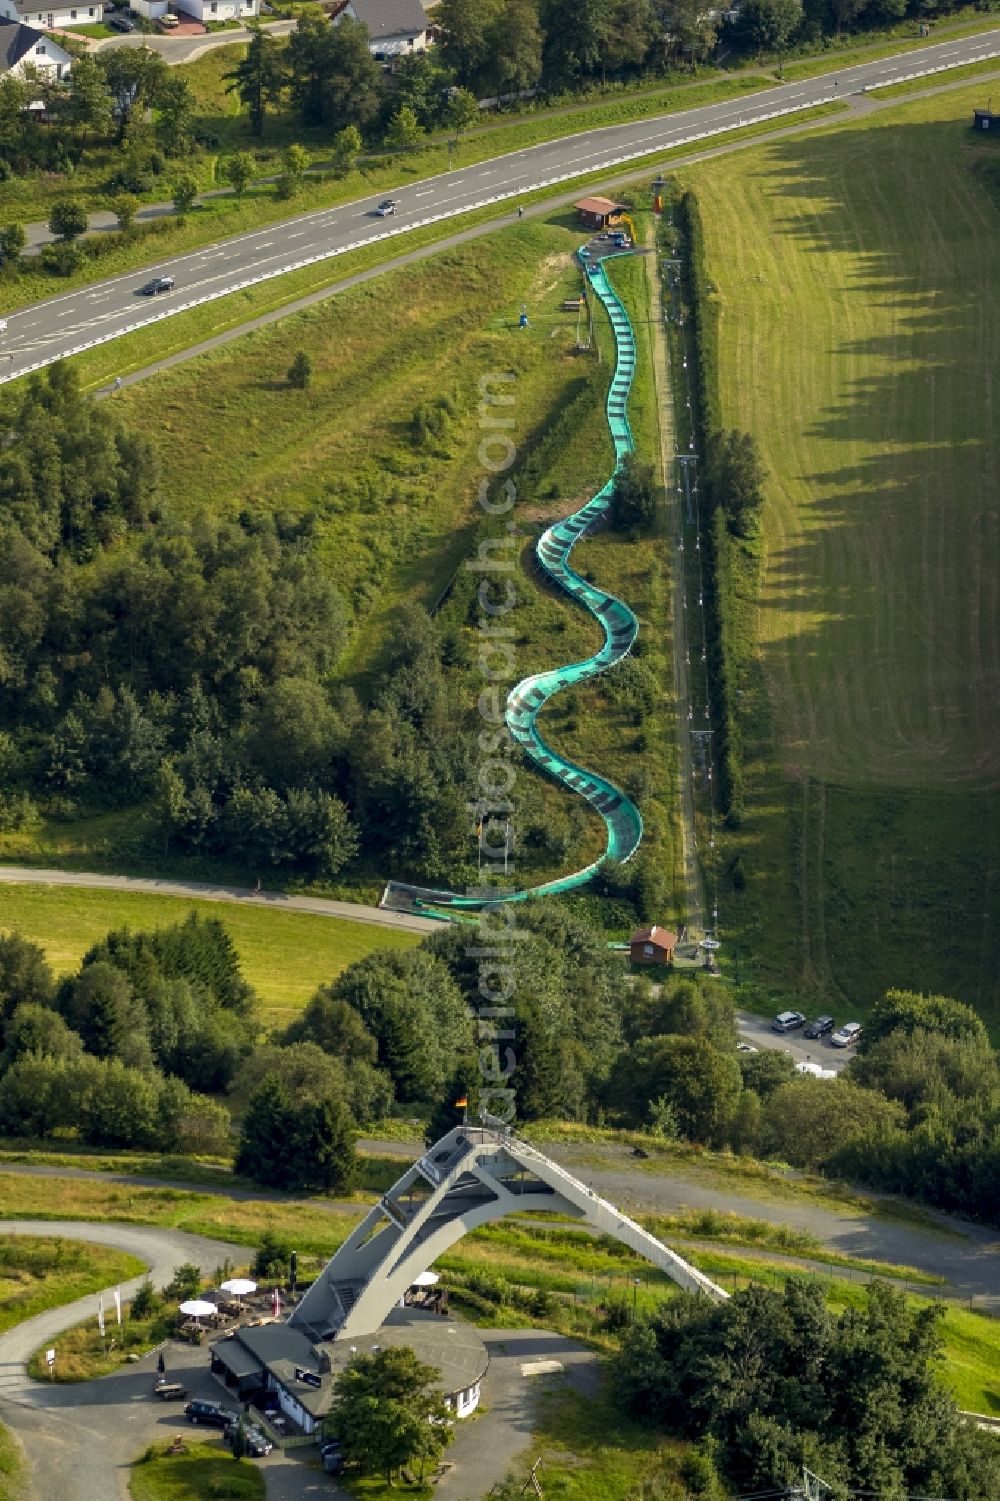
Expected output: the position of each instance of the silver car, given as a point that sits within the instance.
(847, 1036)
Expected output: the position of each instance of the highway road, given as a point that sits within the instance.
(43, 332)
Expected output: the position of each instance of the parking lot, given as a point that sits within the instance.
(756, 1030)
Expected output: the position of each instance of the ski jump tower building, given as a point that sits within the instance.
(472, 1176)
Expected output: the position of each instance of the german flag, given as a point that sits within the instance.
(463, 1103)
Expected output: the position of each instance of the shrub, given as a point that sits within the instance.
(300, 371)
(144, 1300)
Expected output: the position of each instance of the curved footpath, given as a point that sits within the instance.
(80, 1440)
(14, 875)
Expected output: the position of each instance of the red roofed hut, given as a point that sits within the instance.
(653, 945)
(597, 213)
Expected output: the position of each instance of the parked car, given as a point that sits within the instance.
(848, 1036)
(745, 1047)
(212, 1414)
(168, 22)
(386, 207)
(256, 1441)
(787, 1021)
(158, 284)
(820, 1027)
(120, 23)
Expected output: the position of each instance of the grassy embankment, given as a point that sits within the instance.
(203, 1469)
(284, 955)
(13, 1469)
(395, 521)
(860, 342)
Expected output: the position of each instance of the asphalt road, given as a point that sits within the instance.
(205, 892)
(62, 325)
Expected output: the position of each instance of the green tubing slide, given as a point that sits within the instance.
(622, 818)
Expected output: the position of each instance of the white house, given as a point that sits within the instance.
(56, 16)
(22, 48)
(216, 10)
(395, 27)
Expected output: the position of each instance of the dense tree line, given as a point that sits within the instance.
(118, 1052)
(186, 664)
(770, 1381)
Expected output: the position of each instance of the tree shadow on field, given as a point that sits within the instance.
(881, 599)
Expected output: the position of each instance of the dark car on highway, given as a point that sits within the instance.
(787, 1021)
(212, 1414)
(820, 1027)
(158, 284)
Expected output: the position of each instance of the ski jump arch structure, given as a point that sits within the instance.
(622, 819)
(472, 1176)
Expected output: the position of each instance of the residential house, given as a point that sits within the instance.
(396, 28)
(207, 11)
(55, 18)
(23, 48)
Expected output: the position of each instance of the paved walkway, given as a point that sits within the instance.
(206, 892)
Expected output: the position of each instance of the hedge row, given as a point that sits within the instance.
(719, 590)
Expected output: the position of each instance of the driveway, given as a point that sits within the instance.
(81, 1439)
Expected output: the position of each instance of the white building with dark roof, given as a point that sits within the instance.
(22, 48)
(396, 28)
(283, 1362)
(56, 17)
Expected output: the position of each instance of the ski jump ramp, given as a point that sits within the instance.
(471, 1177)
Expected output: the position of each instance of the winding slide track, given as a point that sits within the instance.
(622, 819)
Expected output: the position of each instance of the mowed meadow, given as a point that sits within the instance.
(285, 956)
(856, 277)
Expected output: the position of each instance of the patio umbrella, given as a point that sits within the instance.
(426, 1279)
(240, 1286)
(276, 1302)
(198, 1308)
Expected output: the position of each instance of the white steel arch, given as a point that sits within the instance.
(472, 1176)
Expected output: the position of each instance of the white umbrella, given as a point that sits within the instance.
(240, 1286)
(426, 1279)
(198, 1308)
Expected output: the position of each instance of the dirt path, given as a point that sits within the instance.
(205, 892)
(694, 893)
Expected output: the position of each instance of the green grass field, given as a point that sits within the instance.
(284, 955)
(860, 343)
(203, 1469)
(395, 519)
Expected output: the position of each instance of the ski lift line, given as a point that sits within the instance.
(622, 819)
